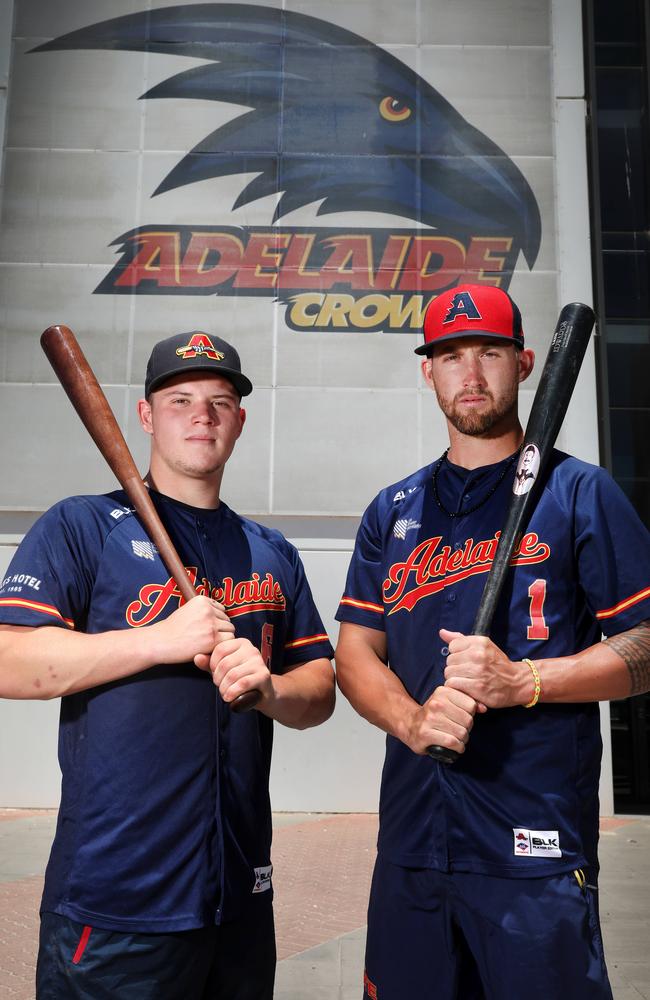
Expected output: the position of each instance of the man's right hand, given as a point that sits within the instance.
(192, 632)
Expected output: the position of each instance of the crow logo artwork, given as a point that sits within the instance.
(335, 123)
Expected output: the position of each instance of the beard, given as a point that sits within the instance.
(475, 423)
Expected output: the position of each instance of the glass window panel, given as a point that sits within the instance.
(631, 444)
(626, 285)
(638, 493)
(623, 179)
(635, 241)
(621, 91)
(619, 55)
(617, 22)
(628, 368)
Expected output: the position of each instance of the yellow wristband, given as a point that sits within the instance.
(537, 681)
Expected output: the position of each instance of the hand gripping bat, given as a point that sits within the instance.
(86, 395)
(550, 404)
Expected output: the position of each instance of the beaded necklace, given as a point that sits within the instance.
(470, 510)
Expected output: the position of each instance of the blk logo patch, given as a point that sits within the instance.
(263, 878)
(537, 843)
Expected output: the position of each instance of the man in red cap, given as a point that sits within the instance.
(485, 882)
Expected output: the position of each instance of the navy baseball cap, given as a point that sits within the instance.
(193, 352)
(471, 311)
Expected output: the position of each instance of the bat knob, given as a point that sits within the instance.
(442, 754)
(245, 701)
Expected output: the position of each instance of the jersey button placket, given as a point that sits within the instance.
(448, 619)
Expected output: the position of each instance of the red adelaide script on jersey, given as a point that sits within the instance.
(242, 598)
(430, 569)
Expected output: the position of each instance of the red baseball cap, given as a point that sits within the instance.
(471, 311)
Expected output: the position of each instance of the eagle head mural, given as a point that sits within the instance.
(332, 121)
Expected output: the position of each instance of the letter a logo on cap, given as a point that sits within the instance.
(200, 345)
(462, 304)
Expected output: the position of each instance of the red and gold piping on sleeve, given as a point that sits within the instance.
(623, 605)
(307, 641)
(37, 606)
(353, 602)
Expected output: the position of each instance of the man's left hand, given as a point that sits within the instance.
(237, 666)
(478, 668)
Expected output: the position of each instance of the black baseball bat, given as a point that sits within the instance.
(550, 404)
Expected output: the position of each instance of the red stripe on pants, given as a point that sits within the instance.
(81, 947)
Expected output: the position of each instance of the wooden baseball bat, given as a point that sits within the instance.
(86, 395)
(550, 404)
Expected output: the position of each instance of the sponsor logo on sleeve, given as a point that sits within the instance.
(537, 843)
(144, 549)
(16, 583)
(403, 525)
(403, 494)
(120, 512)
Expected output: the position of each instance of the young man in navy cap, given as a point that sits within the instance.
(485, 883)
(159, 881)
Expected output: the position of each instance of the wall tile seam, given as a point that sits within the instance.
(90, 265)
(393, 390)
(4, 509)
(34, 39)
(121, 386)
(57, 385)
(182, 151)
(11, 542)
(476, 47)
(91, 149)
(86, 265)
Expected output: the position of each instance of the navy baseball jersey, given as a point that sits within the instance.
(522, 800)
(165, 820)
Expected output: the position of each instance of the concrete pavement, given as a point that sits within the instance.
(322, 876)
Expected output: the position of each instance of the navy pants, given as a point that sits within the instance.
(235, 961)
(477, 937)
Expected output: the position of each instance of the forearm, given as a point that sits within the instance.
(303, 696)
(373, 690)
(49, 662)
(615, 668)
(377, 694)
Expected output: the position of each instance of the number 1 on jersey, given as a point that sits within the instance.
(538, 629)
